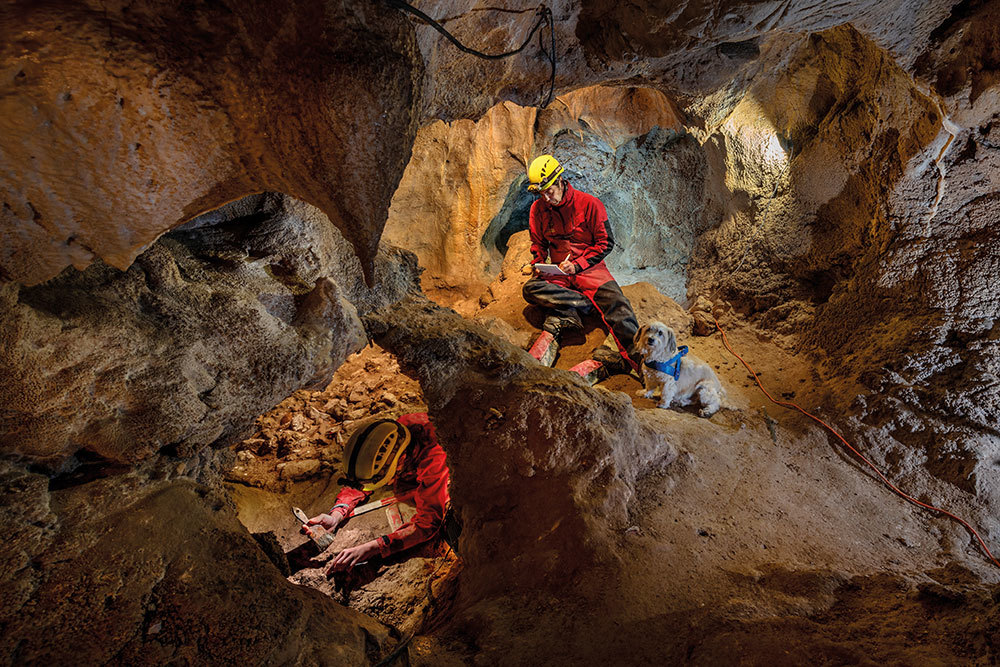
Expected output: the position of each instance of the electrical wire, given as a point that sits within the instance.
(795, 406)
(544, 18)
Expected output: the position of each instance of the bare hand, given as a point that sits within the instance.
(528, 269)
(328, 521)
(350, 557)
(567, 266)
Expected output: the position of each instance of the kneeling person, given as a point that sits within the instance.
(405, 453)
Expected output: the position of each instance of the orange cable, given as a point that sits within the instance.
(788, 404)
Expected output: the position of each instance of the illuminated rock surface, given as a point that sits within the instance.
(121, 123)
(821, 177)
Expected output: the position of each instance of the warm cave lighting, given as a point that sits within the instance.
(750, 127)
(773, 151)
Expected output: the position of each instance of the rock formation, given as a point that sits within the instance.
(121, 391)
(211, 326)
(122, 122)
(147, 568)
(193, 202)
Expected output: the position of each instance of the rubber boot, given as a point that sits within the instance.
(545, 349)
(592, 371)
(607, 353)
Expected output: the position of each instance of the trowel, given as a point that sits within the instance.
(320, 535)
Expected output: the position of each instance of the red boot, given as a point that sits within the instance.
(591, 370)
(545, 349)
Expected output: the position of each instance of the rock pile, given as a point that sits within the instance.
(305, 434)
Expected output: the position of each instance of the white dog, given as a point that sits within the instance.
(681, 377)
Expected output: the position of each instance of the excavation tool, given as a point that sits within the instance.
(395, 517)
(320, 535)
(378, 504)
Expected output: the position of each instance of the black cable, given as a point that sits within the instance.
(544, 16)
(551, 54)
(400, 4)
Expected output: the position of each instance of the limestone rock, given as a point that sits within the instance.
(505, 331)
(146, 116)
(208, 329)
(299, 470)
(703, 323)
(455, 183)
(650, 305)
(151, 571)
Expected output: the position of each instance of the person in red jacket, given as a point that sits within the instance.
(571, 227)
(403, 452)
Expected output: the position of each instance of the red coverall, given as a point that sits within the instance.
(422, 470)
(577, 227)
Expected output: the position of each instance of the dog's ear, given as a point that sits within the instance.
(640, 335)
(671, 344)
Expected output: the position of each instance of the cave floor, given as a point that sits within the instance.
(761, 528)
(764, 541)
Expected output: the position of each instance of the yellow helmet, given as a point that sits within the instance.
(542, 173)
(372, 452)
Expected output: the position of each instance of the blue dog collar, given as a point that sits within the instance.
(672, 366)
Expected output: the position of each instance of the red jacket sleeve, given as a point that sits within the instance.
(348, 499)
(430, 497)
(539, 245)
(597, 220)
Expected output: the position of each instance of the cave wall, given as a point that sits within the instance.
(625, 145)
(119, 122)
(806, 155)
(210, 327)
(932, 376)
(454, 184)
(877, 251)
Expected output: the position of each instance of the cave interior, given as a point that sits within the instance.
(235, 232)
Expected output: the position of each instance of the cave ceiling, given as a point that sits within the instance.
(123, 121)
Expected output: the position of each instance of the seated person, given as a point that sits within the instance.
(405, 453)
(570, 228)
